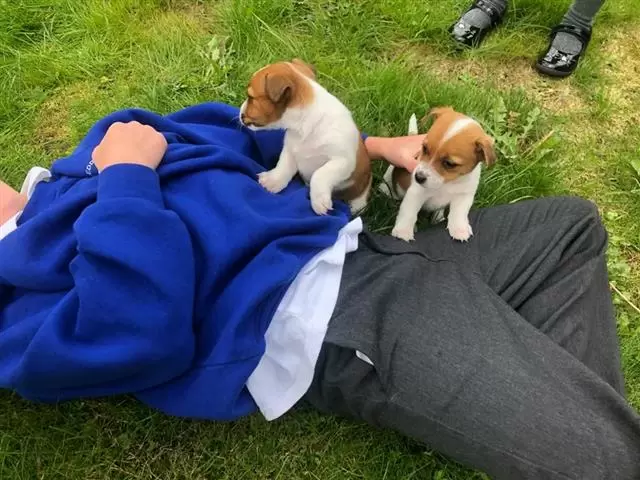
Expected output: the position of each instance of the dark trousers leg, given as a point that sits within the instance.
(498, 5)
(548, 263)
(500, 353)
(582, 13)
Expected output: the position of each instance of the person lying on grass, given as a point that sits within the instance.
(152, 262)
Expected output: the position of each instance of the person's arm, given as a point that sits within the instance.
(399, 151)
(126, 324)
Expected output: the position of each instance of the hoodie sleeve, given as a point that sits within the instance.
(127, 323)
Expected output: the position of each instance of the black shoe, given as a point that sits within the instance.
(562, 64)
(469, 35)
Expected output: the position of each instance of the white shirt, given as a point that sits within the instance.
(297, 330)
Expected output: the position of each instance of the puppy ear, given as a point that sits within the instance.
(435, 113)
(485, 150)
(305, 68)
(278, 87)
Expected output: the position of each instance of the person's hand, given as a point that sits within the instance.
(402, 152)
(130, 143)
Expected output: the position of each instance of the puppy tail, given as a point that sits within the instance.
(413, 125)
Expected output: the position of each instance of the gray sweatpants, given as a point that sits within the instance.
(501, 352)
(581, 13)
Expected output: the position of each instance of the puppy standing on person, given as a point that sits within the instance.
(322, 142)
(448, 174)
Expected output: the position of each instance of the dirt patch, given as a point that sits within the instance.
(558, 97)
(52, 130)
(180, 17)
(621, 89)
(623, 71)
(189, 7)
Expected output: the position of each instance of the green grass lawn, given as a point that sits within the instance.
(66, 63)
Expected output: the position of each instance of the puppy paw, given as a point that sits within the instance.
(273, 181)
(321, 202)
(460, 231)
(403, 233)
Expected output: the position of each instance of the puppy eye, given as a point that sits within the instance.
(448, 164)
(425, 149)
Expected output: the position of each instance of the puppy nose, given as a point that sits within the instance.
(420, 177)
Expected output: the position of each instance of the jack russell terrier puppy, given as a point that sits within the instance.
(321, 143)
(448, 174)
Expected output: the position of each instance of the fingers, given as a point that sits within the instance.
(133, 125)
(411, 162)
(132, 143)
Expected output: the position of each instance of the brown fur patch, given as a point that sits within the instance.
(401, 178)
(272, 90)
(485, 148)
(304, 68)
(437, 112)
(361, 177)
(458, 155)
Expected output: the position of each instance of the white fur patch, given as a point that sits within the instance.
(413, 125)
(455, 128)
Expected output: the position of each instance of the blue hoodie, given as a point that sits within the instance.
(157, 284)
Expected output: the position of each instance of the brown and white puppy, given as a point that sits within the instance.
(448, 174)
(322, 143)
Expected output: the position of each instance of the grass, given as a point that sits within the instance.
(66, 63)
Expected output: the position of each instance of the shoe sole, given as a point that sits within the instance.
(551, 72)
(462, 45)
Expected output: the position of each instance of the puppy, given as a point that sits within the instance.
(321, 143)
(448, 174)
